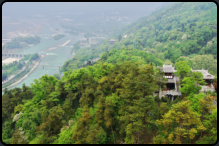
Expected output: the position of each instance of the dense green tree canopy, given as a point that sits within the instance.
(58, 36)
(106, 104)
(183, 69)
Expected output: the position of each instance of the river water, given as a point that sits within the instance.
(54, 57)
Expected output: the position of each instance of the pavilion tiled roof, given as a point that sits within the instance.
(206, 74)
(112, 40)
(168, 69)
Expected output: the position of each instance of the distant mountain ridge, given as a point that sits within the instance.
(197, 22)
(181, 29)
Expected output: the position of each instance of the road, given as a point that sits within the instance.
(12, 76)
(36, 64)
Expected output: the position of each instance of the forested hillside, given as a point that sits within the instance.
(112, 101)
(185, 29)
(107, 103)
(124, 54)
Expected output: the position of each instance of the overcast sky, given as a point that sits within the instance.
(26, 9)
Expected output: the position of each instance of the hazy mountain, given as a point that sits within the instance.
(88, 9)
(184, 29)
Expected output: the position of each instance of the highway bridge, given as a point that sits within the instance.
(14, 55)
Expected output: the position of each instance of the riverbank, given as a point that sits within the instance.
(9, 60)
(52, 48)
(17, 82)
(12, 76)
(56, 54)
(16, 78)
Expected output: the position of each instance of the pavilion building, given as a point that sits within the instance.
(208, 78)
(172, 91)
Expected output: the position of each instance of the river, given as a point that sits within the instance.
(54, 57)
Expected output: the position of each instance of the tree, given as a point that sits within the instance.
(99, 112)
(159, 139)
(34, 56)
(180, 124)
(89, 84)
(7, 131)
(201, 41)
(210, 135)
(206, 62)
(110, 104)
(206, 106)
(163, 109)
(43, 87)
(190, 63)
(52, 123)
(76, 46)
(89, 62)
(119, 37)
(160, 78)
(65, 137)
(80, 133)
(208, 115)
(167, 62)
(182, 68)
(57, 76)
(19, 137)
(175, 53)
(206, 33)
(195, 101)
(140, 118)
(198, 76)
(29, 127)
(189, 86)
(58, 36)
(96, 135)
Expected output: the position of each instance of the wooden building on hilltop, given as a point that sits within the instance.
(208, 79)
(112, 41)
(172, 91)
